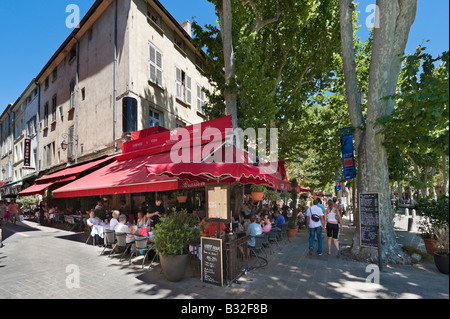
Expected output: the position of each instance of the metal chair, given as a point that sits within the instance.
(90, 236)
(284, 233)
(259, 248)
(122, 242)
(266, 242)
(140, 245)
(110, 239)
(273, 238)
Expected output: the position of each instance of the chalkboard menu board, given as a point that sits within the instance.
(212, 265)
(369, 219)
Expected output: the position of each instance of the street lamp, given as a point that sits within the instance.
(65, 145)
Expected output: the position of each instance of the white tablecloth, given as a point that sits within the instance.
(99, 230)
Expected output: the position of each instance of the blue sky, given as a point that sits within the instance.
(31, 31)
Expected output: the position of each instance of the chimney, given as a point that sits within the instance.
(186, 25)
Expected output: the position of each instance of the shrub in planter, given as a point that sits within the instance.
(441, 257)
(172, 238)
(435, 216)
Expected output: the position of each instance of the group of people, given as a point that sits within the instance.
(119, 220)
(9, 212)
(320, 218)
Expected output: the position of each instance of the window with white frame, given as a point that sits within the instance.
(155, 118)
(156, 65)
(183, 84)
(200, 98)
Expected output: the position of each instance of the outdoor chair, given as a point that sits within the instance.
(284, 233)
(122, 243)
(140, 245)
(273, 238)
(266, 242)
(109, 239)
(90, 236)
(259, 248)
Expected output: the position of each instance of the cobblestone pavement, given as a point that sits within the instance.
(43, 263)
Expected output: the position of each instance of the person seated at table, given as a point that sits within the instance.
(114, 220)
(266, 224)
(210, 231)
(93, 220)
(279, 219)
(123, 228)
(140, 219)
(254, 229)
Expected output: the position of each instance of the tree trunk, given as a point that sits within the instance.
(389, 42)
(444, 173)
(226, 21)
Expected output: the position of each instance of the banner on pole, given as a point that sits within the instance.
(348, 154)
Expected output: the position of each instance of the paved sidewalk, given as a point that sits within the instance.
(40, 262)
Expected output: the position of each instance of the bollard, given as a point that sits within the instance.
(406, 212)
(413, 213)
(410, 224)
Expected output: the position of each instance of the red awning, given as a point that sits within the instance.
(36, 189)
(73, 171)
(123, 177)
(66, 175)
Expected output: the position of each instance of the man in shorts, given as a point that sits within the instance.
(13, 212)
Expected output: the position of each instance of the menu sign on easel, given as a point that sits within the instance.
(370, 219)
(218, 199)
(212, 265)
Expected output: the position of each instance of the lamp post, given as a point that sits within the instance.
(65, 145)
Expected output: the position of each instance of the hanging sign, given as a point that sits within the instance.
(27, 154)
(348, 154)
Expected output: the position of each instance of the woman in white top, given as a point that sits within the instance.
(114, 220)
(333, 223)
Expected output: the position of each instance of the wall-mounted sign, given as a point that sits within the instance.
(218, 202)
(27, 153)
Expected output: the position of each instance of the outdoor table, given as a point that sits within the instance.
(99, 229)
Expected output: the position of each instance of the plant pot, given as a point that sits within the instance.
(257, 196)
(441, 262)
(292, 232)
(174, 267)
(182, 199)
(431, 245)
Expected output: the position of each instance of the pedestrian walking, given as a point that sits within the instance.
(315, 222)
(333, 225)
(14, 212)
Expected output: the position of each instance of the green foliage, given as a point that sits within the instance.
(435, 213)
(29, 202)
(417, 132)
(175, 232)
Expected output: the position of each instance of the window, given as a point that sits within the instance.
(183, 84)
(72, 94)
(156, 65)
(180, 124)
(54, 108)
(200, 98)
(46, 84)
(46, 114)
(55, 74)
(156, 19)
(155, 119)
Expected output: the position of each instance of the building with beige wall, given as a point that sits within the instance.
(128, 67)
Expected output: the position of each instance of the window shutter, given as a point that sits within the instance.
(188, 90)
(159, 61)
(179, 83)
(152, 64)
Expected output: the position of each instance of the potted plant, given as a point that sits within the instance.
(434, 216)
(441, 256)
(257, 192)
(182, 198)
(172, 239)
